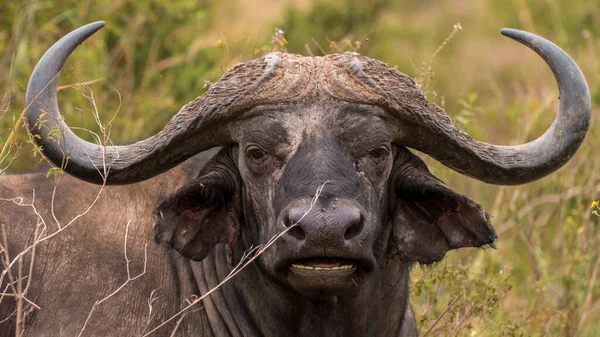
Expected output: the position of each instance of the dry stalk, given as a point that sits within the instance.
(248, 257)
(40, 239)
(537, 202)
(129, 278)
(177, 324)
(151, 301)
(442, 314)
(15, 287)
(104, 174)
(9, 140)
(18, 292)
(426, 75)
(588, 298)
(63, 87)
(8, 317)
(16, 284)
(437, 289)
(319, 46)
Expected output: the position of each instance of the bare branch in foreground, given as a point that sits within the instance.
(129, 278)
(17, 286)
(442, 315)
(40, 239)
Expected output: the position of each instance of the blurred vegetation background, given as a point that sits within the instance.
(154, 56)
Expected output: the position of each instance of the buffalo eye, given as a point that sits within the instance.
(256, 157)
(255, 154)
(260, 161)
(379, 153)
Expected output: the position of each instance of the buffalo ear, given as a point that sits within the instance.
(202, 213)
(429, 219)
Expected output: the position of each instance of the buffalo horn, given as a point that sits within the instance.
(113, 164)
(437, 136)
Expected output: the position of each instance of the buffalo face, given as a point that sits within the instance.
(329, 176)
(322, 170)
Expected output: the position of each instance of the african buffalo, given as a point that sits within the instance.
(313, 146)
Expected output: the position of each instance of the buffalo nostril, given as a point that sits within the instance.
(297, 232)
(294, 217)
(355, 225)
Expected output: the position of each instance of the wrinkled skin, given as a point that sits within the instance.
(379, 210)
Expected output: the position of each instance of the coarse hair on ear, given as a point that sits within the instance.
(204, 212)
(429, 219)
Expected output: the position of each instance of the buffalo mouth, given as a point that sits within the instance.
(323, 267)
(320, 277)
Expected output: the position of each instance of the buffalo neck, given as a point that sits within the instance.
(254, 304)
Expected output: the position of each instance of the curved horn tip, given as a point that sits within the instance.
(93, 27)
(511, 32)
(519, 35)
(53, 60)
(81, 34)
(98, 24)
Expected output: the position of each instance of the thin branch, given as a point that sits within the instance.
(151, 301)
(63, 87)
(22, 116)
(442, 315)
(42, 239)
(588, 297)
(177, 325)
(16, 287)
(129, 278)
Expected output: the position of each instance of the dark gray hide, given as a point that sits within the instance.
(316, 146)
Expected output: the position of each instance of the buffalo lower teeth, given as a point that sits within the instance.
(302, 266)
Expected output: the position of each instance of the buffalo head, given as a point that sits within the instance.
(317, 146)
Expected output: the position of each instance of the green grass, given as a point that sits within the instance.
(542, 278)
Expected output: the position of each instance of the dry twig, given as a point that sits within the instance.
(129, 278)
